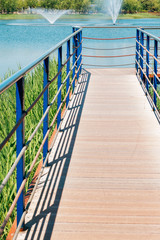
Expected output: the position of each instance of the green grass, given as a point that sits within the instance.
(105, 16)
(151, 92)
(139, 15)
(33, 86)
(80, 16)
(19, 16)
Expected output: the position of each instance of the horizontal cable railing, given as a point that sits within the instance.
(73, 52)
(95, 48)
(109, 49)
(128, 55)
(147, 66)
(108, 39)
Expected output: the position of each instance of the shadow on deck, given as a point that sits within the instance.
(50, 189)
(103, 178)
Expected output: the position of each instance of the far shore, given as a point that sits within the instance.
(80, 16)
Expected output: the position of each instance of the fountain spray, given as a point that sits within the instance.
(113, 8)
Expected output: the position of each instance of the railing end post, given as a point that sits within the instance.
(59, 85)
(20, 141)
(45, 105)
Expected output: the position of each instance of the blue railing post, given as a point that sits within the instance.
(20, 141)
(59, 85)
(137, 48)
(78, 55)
(155, 70)
(74, 58)
(81, 51)
(68, 69)
(147, 60)
(45, 105)
(141, 52)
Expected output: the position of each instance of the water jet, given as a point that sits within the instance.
(113, 8)
(51, 15)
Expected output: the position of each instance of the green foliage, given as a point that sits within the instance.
(131, 6)
(48, 3)
(31, 3)
(150, 5)
(33, 87)
(10, 6)
(81, 6)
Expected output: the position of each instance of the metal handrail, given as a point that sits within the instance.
(149, 34)
(33, 104)
(15, 77)
(18, 78)
(115, 26)
(147, 66)
(148, 80)
(102, 60)
(34, 132)
(148, 52)
(143, 65)
(118, 56)
(109, 49)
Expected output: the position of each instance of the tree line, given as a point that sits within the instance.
(11, 6)
(133, 6)
(81, 6)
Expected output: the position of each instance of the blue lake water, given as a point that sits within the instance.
(22, 41)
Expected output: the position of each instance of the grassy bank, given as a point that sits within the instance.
(19, 16)
(33, 87)
(80, 16)
(139, 15)
(105, 16)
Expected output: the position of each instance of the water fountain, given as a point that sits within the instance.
(50, 14)
(113, 8)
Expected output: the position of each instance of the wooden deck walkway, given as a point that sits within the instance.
(103, 178)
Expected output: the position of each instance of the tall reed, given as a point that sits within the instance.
(33, 86)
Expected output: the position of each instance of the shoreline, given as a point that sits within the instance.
(23, 16)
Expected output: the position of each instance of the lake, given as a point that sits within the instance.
(22, 41)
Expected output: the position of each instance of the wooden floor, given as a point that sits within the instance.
(103, 178)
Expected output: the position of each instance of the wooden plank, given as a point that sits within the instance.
(103, 178)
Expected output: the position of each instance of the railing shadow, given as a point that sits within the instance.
(41, 226)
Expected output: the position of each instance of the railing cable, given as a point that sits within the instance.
(96, 65)
(31, 168)
(148, 66)
(108, 39)
(34, 103)
(148, 80)
(148, 52)
(34, 132)
(91, 56)
(109, 49)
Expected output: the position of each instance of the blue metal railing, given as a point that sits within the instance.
(147, 71)
(110, 50)
(147, 65)
(72, 72)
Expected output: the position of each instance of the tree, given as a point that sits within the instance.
(48, 3)
(64, 4)
(21, 5)
(131, 6)
(32, 3)
(81, 5)
(150, 5)
(8, 6)
(2, 6)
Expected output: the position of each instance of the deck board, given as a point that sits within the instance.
(103, 178)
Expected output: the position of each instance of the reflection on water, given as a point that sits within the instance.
(22, 41)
